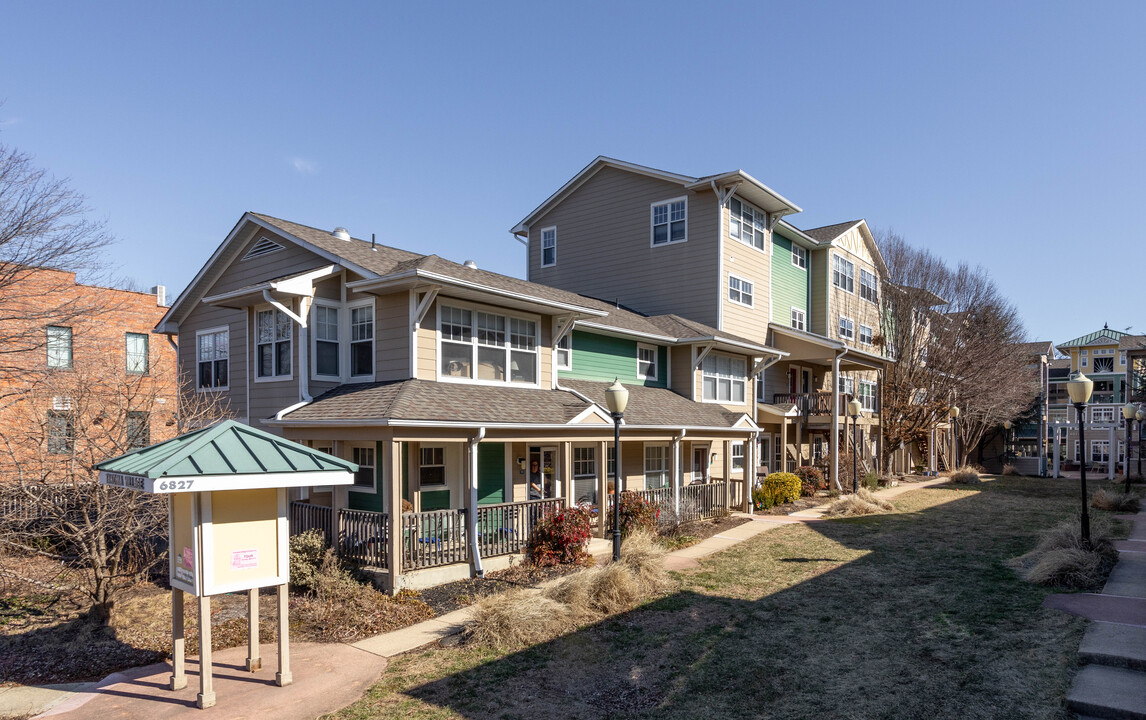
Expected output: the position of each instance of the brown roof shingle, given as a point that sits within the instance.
(659, 406)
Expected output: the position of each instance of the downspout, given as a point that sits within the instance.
(472, 515)
(678, 476)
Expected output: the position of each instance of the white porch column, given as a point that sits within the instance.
(727, 448)
(603, 488)
(1113, 454)
(472, 502)
(835, 440)
(932, 451)
(677, 473)
(749, 471)
(784, 445)
(392, 498)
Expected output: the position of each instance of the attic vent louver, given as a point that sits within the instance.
(264, 246)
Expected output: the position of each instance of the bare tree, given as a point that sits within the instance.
(65, 424)
(956, 340)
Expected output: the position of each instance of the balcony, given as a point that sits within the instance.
(817, 403)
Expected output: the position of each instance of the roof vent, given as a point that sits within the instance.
(471, 264)
(341, 233)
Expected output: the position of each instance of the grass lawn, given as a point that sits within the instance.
(909, 615)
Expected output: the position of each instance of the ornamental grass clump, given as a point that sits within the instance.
(516, 619)
(1063, 559)
(560, 538)
(863, 502)
(1114, 501)
(644, 557)
(965, 475)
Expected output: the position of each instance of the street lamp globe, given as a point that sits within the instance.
(854, 409)
(1007, 425)
(1140, 415)
(954, 412)
(1079, 387)
(617, 397)
(1129, 411)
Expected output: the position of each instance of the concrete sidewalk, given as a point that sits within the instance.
(142, 693)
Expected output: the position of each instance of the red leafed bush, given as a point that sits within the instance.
(811, 480)
(560, 538)
(637, 514)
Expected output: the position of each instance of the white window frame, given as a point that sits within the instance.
(867, 395)
(866, 334)
(1107, 414)
(847, 324)
(127, 355)
(372, 488)
(737, 455)
(655, 376)
(349, 343)
(314, 340)
(1098, 445)
(799, 256)
(665, 466)
(445, 484)
(275, 313)
(802, 316)
(847, 385)
(226, 331)
(474, 309)
(756, 216)
(843, 269)
(653, 224)
(563, 347)
(552, 245)
(872, 289)
(736, 286)
(732, 379)
(1122, 358)
(57, 363)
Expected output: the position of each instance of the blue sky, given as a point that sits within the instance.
(1009, 134)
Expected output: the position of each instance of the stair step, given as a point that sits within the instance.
(1101, 691)
(1115, 645)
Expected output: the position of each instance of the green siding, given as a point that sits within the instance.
(368, 501)
(599, 357)
(491, 473)
(789, 283)
(435, 500)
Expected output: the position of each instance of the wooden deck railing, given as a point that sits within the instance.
(504, 528)
(817, 403)
(697, 502)
(433, 538)
(362, 536)
(305, 516)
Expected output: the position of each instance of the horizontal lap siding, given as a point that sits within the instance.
(603, 358)
(682, 372)
(205, 317)
(291, 260)
(821, 281)
(603, 247)
(392, 337)
(789, 283)
(746, 263)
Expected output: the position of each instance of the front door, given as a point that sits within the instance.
(793, 386)
(699, 463)
(807, 376)
(765, 454)
(543, 479)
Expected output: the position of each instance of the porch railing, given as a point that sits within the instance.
(362, 536)
(699, 501)
(817, 403)
(504, 528)
(433, 538)
(304, 517)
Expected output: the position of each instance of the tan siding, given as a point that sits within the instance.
(392, 338)
(775, 380)
(681, 370)
(603, 247)
(330, 289)
(428, 349)
(290, 260)
(821, 280)
(752, 265)
(545, 352)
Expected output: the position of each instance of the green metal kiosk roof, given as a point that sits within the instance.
(225, 456)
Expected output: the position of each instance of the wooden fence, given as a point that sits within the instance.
(304, 517)
(504, 528)
(434, 538)
(697, 502)
(362, 536)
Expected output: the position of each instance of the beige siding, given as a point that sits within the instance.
(821, 281)
(746, 263)
(681, 379)
(289, 261)
(604, 247)
(392, 337)
(428, 349)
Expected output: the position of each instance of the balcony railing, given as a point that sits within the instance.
(817, 403)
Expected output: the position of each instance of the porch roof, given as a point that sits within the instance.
(661, 407)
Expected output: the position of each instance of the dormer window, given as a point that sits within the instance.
(747, 224)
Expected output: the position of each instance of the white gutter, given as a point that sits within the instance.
(355, 422)
(398, 278)
(472, 515)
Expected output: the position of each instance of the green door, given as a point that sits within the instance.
(491, 473)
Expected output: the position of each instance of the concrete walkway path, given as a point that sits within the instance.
(327, 677)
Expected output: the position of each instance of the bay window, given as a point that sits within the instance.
(724, 379)
(492, 343)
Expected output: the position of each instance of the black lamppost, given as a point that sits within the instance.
(954, 413)
(1007, 442)
(617, 398)
(854, 409)
(1140, 416)
(1079, 387)
(1129, 412)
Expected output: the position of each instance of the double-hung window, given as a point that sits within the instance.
(502, 348)
(737, 456)
(213, 353)
(866, 335)
(137, 429)
(565, 353)
(847, 386)
(843, 273)
(670, 222)
(364, 458)
(724, 379)
(432, 468)
(646, 362)
(656, 466)
(867, 395)
(799, 256)
(739, 291)
(326, 350)
(59, 347)
(847, 328)
(272, 343)
(135, 350)
(747, 224)
(868, 289)
(362, 340)
(798, 318)
(549, 246)
(1102, 415)
(585, 474)
(61, 432)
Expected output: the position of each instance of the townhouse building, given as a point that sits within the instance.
(82, 376)
(470, 401)
(719, 250)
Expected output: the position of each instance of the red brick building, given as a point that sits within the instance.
(82, 375)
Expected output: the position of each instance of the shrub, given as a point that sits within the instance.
(965, 475)
(307, 551)
(871, 480)
(637, 514)
(811, 480)
(1009, 469)
(1115, 501)
(777, 488)
(560, 538)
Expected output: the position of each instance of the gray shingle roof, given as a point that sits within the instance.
(659, 406)
(1132, 342)
(827, 233)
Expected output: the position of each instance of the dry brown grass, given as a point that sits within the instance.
(1115, 501)
(864, 502)
(965, 475)
(1009, 469)
(1062, 559)
(516, 619)
(644, 556)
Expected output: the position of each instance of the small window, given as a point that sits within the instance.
(843, 274)
(363, 457)
(362, 340)
(564, 352)
(326, 341)
(670, 221)
(213, 354)
(611, 461)
(272, 343)
(847, 386)
(136, 352)
(847, 328)
(656, 466)
(549, 246)
(1122, 358)
(739, 291)
(646, 362)
(61, 432)
(867, 395)
(798, 318)
(866, 335)
(737, 456)
(747, 224)
(799, 256)
(137, 427)
(59, 347)
(432, 468)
